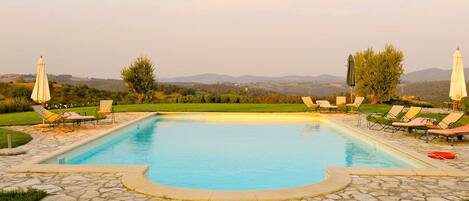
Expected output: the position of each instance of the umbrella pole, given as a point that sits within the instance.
(455, 104)
(43, 121)
(351, 94)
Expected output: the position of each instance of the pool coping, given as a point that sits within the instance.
(337, 178)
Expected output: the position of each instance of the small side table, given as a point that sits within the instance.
(449, 105)
(360, 118)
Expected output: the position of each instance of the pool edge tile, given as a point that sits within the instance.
(233, 195)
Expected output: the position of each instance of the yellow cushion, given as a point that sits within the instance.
(52, 117)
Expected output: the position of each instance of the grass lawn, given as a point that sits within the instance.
(17, 138)
(379, 108)
(29, 195)
(28, 118)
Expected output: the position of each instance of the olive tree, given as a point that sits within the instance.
(138, 78)
(378, 73)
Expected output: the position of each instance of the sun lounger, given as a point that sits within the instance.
(446, 122)
(449, 133)
(77, 118)
(340, 101)
(417, 122)
(378, 120)
(411, 113)
(326, 105)
(53, 118)
(428, 123)
(356, 104)
(309, 103)
(105, 109)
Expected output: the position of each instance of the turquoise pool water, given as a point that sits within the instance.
(234, 155)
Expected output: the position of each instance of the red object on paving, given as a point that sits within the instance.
(441, 155)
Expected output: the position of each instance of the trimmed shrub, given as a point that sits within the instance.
(29, 195)
(17, 138)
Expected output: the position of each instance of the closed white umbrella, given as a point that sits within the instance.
(458, 83)
(41, 93)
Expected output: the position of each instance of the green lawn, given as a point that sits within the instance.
(17, 138)
(29, 195)
(28, 118)
(379, 108)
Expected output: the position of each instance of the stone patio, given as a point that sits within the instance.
(407, 187)
(75, 186)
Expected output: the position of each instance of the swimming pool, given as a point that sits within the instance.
(234, 152)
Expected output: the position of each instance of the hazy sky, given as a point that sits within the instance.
(235, 37)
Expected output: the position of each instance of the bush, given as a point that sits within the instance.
(408, 103)
(465, 105)
(11, 90)
(29, 195)
(15, 105)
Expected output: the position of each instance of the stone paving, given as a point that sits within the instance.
(67, 187)
(369, 188)
(74, 186)
(71, 187)
(405, 187)
(413, 142)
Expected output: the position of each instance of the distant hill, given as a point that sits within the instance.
(435, 92)
(117, 85)
(301, 88)
(430, 84)
(431, 74)
(210, 78)
(102, 84)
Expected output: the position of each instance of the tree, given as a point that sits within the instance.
(378, 74)
(139, 79)
(19, 80)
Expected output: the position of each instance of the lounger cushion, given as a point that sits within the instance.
(52, 117)
(325, 104)
(452, 131)
(432, 126)
(76, 116)
(105, 107)
(80, 118)
(417, 122)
